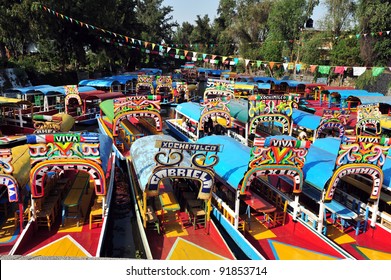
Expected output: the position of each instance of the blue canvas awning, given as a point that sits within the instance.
(260, 79)
(375, 99)
(191, 110)
(290, 83)
(239, 110)
(233, 159)
(320, 162)
(306, 120)
(105, 82)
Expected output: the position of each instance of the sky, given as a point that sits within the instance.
(187, 10)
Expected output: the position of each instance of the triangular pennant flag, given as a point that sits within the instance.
(145, 44)
(126, 39)
(132, 40)
(246, 61)
(153, 45)
(185, 52)
(224, 58)
(168, 49)
(388, 32)
(194, 54)
(139, 42)
(376, 71)
(236, 60)
(259, 63)
(271, 64)
(213, 56)
(204, 55)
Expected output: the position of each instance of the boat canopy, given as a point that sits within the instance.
(239, 110)
(387, 173)
(104, 82)
(143, 153)
(320, 162)
(232, 165)
(264, 79)
(14, 102)
(25, 90)
(304, 119)
(263, 85)
(107, 108)
(375, 99)
(345, 93)
(290, 83)
(100, 94)
(191, 110)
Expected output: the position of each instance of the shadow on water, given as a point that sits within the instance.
(122, 236)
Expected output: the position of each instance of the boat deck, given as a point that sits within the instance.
(72, 239)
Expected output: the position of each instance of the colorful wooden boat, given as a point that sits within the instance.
(15, 194)
(249, 205)
(128, 118)
(173, 195)
(84, 106)
(46, 99)
(18, 119)
(70, 178)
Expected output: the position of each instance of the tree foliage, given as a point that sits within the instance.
(266, 30)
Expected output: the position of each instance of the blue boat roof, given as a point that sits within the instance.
(387, 172)
(305, 119)
(263, 85)
(239, 110)
(143, 152)
(232, 165)
(375, 99)
(104, 82)
(291, 83)
(345, 93)
(45, 89)
(260, 79)
(318, 167)
(191, 110)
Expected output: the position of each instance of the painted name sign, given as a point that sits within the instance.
(282, 119)
(187, 146)
(372, 170)
(204, 176)
(214, 114)
(39, 174)
(270, 170)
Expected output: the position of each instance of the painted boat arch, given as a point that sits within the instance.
(39, 171)
(333, 119)
(145, 81)
(88, 152)
(14, 172)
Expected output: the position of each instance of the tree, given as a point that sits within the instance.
(286, 20)
(375, 48)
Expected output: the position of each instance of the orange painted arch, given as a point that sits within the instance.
(39, 171)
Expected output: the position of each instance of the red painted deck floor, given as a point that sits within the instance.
(294, 241)
(177, 242)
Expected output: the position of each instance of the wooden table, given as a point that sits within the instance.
(75, 195)
(259, 204)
